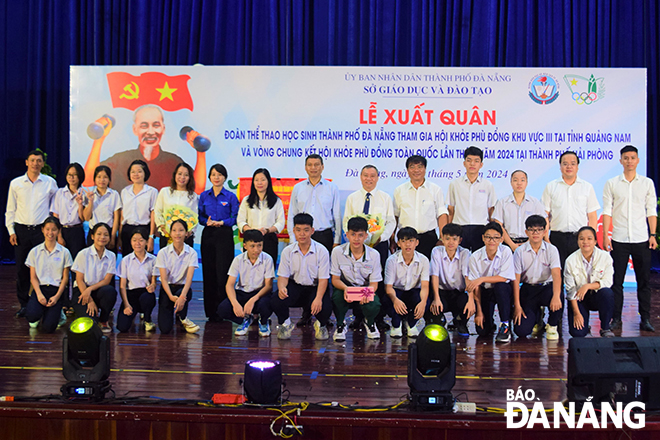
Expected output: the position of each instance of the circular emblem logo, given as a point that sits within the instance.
(543, 89)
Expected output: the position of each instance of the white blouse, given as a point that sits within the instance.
(168, 198)
(260, 216)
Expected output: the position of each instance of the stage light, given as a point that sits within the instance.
(432, 369)
(262, 382)
(85, 361)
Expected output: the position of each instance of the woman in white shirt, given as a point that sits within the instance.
(138, 201)
(180, 193)
(104, 205)
(262, 210)
(588, 276)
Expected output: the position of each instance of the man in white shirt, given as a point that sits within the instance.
(471, 199)
(420, 204)
(630, 206)
(28, 205)
(570, 203)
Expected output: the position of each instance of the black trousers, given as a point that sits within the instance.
(51, 315)
(326, 237)
(27, 237)
(566, 244)
(532, 299)
(217, 254)
(472, 237)
(641, 256)
(140, 301)
(261, 307)
(453, 301)
(74, 237)
(126, 234)
(427, 242)
(104, 297)
(300, 296)
(166, 308)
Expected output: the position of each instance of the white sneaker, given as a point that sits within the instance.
(340, 332)
(244, 327)
(189, 326)
(551, 333)
(372, 331)
(34, 324)
(149, 326)
(414, 331)
(62, 319)
(284, 330)
(320, 331)
(395, 332)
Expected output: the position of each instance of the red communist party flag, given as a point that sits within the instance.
(168, 92)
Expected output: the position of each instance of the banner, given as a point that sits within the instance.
(272, 117)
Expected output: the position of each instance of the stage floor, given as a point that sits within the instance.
(355, 372)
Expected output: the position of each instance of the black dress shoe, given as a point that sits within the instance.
(21, 313)
(616, 324)
(646, 326)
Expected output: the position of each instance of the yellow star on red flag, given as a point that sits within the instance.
(166, 92)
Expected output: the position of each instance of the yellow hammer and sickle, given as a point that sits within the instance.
(134, 92)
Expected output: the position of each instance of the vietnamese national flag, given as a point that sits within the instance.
(168, 92)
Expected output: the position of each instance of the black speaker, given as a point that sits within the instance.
(614, 370)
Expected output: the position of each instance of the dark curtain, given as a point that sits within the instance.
(41, 38)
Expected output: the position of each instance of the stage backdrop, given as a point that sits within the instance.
(523, 118)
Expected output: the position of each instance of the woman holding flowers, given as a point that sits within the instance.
(218, 208)
(179, 201)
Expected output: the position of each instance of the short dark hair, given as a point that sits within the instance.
(452, 230)
(357, 224)
(629, 149)
(415, 159)
(519, 171)
(100, 225)
(303, 219)
(314, 156)
(80, 172)
(369, 166)
(407, 233)
(473, 151)
(493, 226)
(106, 169)
(35, 152)
(54, 220)
(144, 166)
(253, 235)
(185, 225)
(587, 228)
(142, 232)
(218, 167)
(569, 152)
(535, 221)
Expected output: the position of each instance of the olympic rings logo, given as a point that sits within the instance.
(584, 97)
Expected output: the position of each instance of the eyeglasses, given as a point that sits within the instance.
(491, 238)
(535, 230)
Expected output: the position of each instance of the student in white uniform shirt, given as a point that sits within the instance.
(407, 284)
(355, 265)
(138, 202)
(489, 279)
(67, 206)
(262, 210)
(95, 268)
(449, 272)
(249, 286)
(570, 203)
(512, 211)
(28, 205)
(630, 205)
(302, 280)
(104, 205)
(471, 199)
(137, 283)
(176, 264)
(49, 265)
(587, 279)
(181, 192)
(537, 267)
(419, 204)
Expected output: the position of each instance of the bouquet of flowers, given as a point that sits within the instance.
(178, 212)
(376, 226)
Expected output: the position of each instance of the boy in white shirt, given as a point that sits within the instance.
(537, 266)
(355, 265)
(489, 276)
(407, 284)
(588, 274)
(449, 271)
(249, 286)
